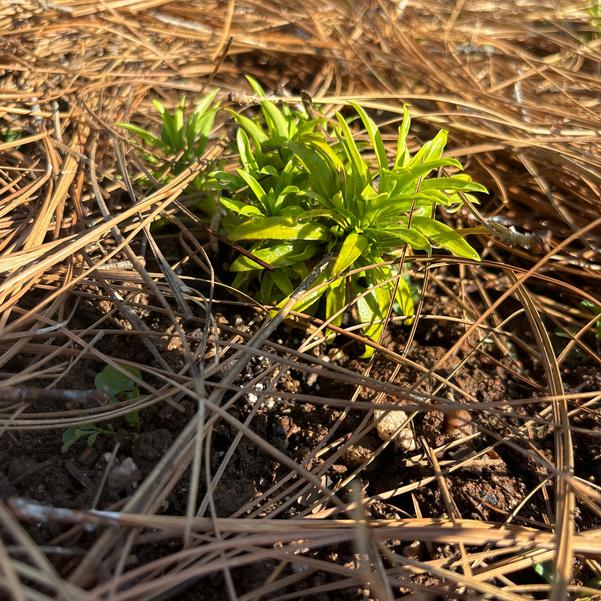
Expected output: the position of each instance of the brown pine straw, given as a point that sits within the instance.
(518, 86)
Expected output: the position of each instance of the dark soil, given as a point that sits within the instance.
(33, 466)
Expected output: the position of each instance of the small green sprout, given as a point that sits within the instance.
(10, 135)
(120, 388)
(91, 432)
(181, 141)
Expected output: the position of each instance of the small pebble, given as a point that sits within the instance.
(387, 426)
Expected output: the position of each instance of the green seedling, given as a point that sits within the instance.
(545, 570)
(317, 195)
(181, 141)
(88, 431)
(120, 388)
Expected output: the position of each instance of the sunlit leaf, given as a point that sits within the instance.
(402, 152)
(335, 302)
(352, 248)
(277, 255)
(444, 236)
(279, 228)
(374, 136)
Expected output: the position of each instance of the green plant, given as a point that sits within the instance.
(305, 190)
(89, 431)
(10, 135)
(181, 141)
(270, 184)
(120, 388)
(320, 195)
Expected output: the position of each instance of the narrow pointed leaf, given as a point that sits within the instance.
(444, 236)
(402, 152)
(354, 156)
(251, 128)
(374, 136)
(277, 255)
(149, 138)
(253, 184)
(335, 302)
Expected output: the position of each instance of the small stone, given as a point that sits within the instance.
(388, 422)
(124, 475)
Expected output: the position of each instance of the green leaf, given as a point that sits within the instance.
(282, 281)
(356, 160)
(404, 298)
(74, 434)
(70, 436)
(247, 155)
(445, 237)
(374, 136)
(242, 208)
(311, 296)
(279, 228)
(178, 121)
(430, 151)
(335, 302)
(254, 185)
(276, 121)
(134, 421)
(149, 138)
(204, 103)
(372, 309)
(455, 182)
(392, 238)
(114, 382)
(402, 152)
(159, 106)
(352, 248)
(545, 570)
(255, 85)
(320, 170)
(199, 130)
(277, 255)
(250, 127)
(406, 178)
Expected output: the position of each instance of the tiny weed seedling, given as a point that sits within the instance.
(181, 141)
(120, 388)
(90, 432)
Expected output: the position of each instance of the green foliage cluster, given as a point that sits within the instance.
(304, 190)
(180, 142)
